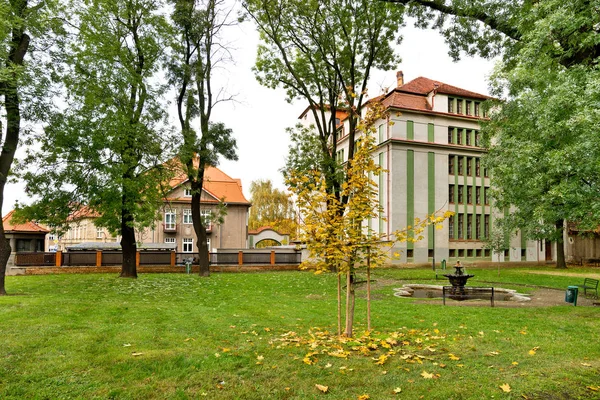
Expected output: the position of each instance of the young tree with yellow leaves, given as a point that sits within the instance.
(334, 231)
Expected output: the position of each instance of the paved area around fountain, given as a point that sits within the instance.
(537, 298)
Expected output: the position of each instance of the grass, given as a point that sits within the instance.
(229, 336)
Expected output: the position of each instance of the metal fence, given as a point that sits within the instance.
(113, 257)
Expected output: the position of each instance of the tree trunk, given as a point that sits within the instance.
(349, 304)
(369, 290)
(560, 246)
(128, 245)
(339, 303)
(196, 183)
(18, 47)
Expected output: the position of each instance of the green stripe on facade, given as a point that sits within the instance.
(430, 133)
(456, 173)
(410, 194)
(410, 130)
(430, 196)
(454, 135)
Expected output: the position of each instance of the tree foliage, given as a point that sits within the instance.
(198, 51)
(271, 207)
(104, 148)
(323, 52)
(25, 29)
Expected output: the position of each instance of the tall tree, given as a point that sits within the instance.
(272, 207)
(198, 51)
(24, 28)
(104, 149)
(542, 144)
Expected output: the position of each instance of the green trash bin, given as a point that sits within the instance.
(443, 264)
(571, 295)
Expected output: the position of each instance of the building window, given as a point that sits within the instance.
(170, 218)
(208, 244)
(452, 253)
(459, 106)
(461, 253)
(478, 226)
(450, 135)
(486, 198)
(486, 253)
(469, 252)
(187, 192)
(460, 166)
(451, 165)
(478, 253)
(340, 156)
(477, 167)
(469, 166)
(460, 225)
(477, 139)
(206, 216)
(486, 173)
(170, 240)
(99, 233)
(476, 111)
(451, 193)
(468, 141)
(409, 253)
(187, 216)
(450, 104)
(459, 134)
(188, 245)
(469, 194)
(486, 226)
(468, 107)
(460, 194)
(451, 227)
(478, 195)
(469, 226)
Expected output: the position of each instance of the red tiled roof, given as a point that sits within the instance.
(28, 226)
(424, 86)
(83, 212)
(216, 183)
(404, 100)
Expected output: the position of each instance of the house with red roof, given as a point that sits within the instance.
(176, 226)
(24, 237)
(430, 146)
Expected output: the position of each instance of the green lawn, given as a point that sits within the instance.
(266, 335)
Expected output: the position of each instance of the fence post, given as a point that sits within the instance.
(172, 258)
(58, 258)
(137, 258)
(240, 258)
(272, 257)
(98, 258)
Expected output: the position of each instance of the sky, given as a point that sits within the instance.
(259, 116)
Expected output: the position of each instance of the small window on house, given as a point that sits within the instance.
(478, 227)
(486, 252)
(99, 233)
(469, 166)
(477, 139)
(409, 253)
(476, 110)
(470, 253)
(477, 167)
(469, 194)
(460, 166)
(452, 253)
(468, 107)
(187, 216)
(170, 220)
(451, 164)
(461, 219)
(459, 106)
(451, 227)
(187, 192)
(468, 143)
(478, 253)
(451, 193)
(523, 254)
(450, 134)
(478, 195)
(450, 104)
(206, 216)
(461, 253)
(170, 240)
(460, 194)
(430, 253)
(506, 253)
(188, 245)
(459, 136)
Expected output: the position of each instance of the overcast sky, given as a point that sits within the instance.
(260, 116)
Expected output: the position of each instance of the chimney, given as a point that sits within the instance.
(400, 78)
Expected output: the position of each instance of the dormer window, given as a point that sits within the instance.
(187, 192)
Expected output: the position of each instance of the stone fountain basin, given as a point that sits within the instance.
(424, 291)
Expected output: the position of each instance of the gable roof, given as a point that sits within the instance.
(216, 183)
(424, 86)
(26, 227)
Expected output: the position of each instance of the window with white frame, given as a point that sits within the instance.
(170, 218)
(170, 240)
(208, 244)
(99, 233)
(206, 216)
(187, 192)
(187, 245)
(187, 216)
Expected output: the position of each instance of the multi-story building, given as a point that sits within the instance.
(430, 146)
(176, 225)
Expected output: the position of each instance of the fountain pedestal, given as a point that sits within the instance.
(458, 280)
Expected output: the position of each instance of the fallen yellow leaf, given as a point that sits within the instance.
(505, 388)
(515, 363)
(426, 375)
(397, 390)
(363, 397)
(594, 388)
(260, 358)
(453, 357)
(136, 354)
(322, 388)
(586, 364)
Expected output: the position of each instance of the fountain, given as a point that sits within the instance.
(458, 280)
